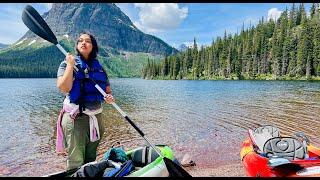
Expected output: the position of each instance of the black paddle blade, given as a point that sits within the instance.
(32, 19)
(174, 169)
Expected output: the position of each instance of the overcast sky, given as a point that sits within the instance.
(174, 23)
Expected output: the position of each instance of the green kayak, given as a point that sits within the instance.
(156, 168)
(140, 162)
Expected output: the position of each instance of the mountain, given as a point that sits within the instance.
(182, 47)
(111, 27)
(123, 49)
(3, 45)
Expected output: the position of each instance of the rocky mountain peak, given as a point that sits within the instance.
(110, 26)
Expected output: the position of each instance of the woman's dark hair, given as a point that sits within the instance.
(95, 48)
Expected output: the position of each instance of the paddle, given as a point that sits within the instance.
(32, 19)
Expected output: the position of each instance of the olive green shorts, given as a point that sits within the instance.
(77, 139)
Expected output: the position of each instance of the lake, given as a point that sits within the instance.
(205, 119)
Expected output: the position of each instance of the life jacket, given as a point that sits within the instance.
(83, 89)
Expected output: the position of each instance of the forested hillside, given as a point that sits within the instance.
(288, 48)
(41, 60)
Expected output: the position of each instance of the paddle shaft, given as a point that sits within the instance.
(65, 53)
(127, 118)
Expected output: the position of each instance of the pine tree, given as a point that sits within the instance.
(285, 54)
(313, 10)
(223, 55)
(292, 17)
(216, 52)
(315, 28)
(176, 68)
(209, 62)
(148, 74)
(194, 58)
(202, 61)
(189, 59)
(315, 24)
(197, 67)
(228, 63)
(165, 67)
(299, 14)
(304, 44)
(292, 67)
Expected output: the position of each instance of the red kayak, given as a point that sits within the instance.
(267, 154)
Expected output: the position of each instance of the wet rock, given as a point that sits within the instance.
(187, 161)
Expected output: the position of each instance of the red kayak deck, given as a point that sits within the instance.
(257, 165)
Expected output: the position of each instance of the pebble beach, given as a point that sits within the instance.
(230, 170)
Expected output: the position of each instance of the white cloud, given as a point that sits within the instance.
(274, 14)
(158, 17)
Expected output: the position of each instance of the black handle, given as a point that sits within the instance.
(134, 126)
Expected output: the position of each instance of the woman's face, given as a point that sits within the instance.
(84, 45)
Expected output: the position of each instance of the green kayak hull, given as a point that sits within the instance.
(156, 168)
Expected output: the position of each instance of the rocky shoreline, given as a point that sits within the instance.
(230, 170)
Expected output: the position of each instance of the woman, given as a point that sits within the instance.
(80, 124)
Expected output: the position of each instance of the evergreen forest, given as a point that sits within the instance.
(283, 49)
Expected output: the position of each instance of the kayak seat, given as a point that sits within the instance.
(142, 156)
(274, 131)
(284, 147)
(261, 135)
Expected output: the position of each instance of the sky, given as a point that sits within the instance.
(174, 23)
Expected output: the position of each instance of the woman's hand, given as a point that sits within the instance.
(109, 99)
(70, 59)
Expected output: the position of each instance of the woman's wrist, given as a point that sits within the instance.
(69, 67)
(70, 64)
